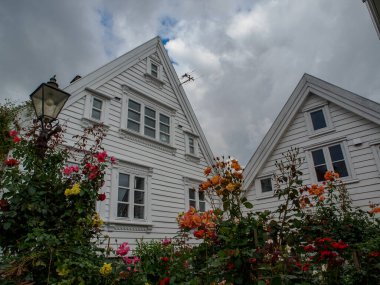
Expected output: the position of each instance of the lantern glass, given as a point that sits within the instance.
(48, 102)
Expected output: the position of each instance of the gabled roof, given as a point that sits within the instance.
(308, 85)
(105, 73)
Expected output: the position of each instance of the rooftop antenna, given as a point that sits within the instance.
(188, 78)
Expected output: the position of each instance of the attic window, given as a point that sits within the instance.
(154, 70)
(318, 119)
(266, 185)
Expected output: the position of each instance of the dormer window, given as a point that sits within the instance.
(318, 119)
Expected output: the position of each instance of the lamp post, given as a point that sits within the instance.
(48, 101)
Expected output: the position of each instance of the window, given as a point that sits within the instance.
(134, 116)
(266, 185)
(197, 199)
(318, 120)
(154, 70)
(131, 198)
(136, 111)
(97, 107)
(329, 158)
(164, 128)
(150, 123)
(191, 145)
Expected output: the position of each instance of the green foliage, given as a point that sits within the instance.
(48, 235)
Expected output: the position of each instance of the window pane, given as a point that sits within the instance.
(123, 195)
(133, 126)
(164, 119)
(192, 204)
(341, 168)
(192, 194)
(318, 157)
(318, 120)
(138, 212)
(191, 142)
(336, 153)
(149, 112)
(320, 172)
(154, 70)
(97, 104)
(201, 195)
(95, 114)
(191, 149)
(139, 183)
(134, 105)
(164, 128)
(150, 122)
(139, 197)
(202, 206)
(124, 180)
(149, 132)
(266, 185)
(122, 210)
(133, 115)
(164, 138)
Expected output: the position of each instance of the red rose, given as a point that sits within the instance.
(102, 197)
(11, 162)
(4, 205)
(165, 281)
(165, 259)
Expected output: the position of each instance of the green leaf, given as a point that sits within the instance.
(248, 205)
(6, 226)
(276, 281)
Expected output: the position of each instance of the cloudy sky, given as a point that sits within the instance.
(246, 56)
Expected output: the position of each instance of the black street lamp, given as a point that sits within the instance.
(48, 101)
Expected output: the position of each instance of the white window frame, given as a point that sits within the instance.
(133, 171)
(194, 184)
(89, 103)
(195, 138)
(149, 63)
(259, 191)
(158, 108)
(324, 146)
(326, 113)
(375, 146)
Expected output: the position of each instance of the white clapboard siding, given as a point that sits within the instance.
(167, 167)
(349, 124)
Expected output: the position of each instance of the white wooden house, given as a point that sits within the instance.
(154, 134)
(334, 129)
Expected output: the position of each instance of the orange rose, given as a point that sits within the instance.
(215, 180)
(235, 165)
(207, 170)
